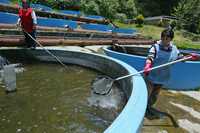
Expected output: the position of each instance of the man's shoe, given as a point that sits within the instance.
(153, 114)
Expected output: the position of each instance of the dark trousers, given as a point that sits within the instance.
(153, 96)
(153, 93)
(28, 40)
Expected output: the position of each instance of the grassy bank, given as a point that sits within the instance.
(153, 32)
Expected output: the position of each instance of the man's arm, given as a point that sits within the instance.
(34, 19)
(149, 61)
(18, 24)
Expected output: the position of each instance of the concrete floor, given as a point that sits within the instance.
(184, 107)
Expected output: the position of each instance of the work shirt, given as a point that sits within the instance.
(160, 54)
(27, 19)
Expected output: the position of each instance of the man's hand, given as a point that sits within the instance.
(18, 25)
(147, 67)
(194, 56)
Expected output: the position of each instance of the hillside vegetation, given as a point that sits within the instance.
(181, 39)
(187, 12)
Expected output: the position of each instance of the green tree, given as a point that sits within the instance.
(90, 7)
(106, 8)
(128, 8)
(156, 7)
(110, 8)
(139, 20)
(188, 15)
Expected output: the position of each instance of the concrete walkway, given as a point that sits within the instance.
(182, 106)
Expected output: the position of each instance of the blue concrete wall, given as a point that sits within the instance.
(96, 17)
(52, 22)
(5, 1)
(97, 27)
(70, 12)
(8, 18)
(124, 30)
(107, 28)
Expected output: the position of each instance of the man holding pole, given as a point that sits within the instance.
(162, 52)
(28, 21)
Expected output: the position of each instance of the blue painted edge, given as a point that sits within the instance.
(70, 12)
(131, 118)
(8, 18)
(95, 17)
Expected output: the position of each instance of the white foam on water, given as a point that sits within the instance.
(190, 110)
(112, 100)
(189, 126)
(19, 69)
(104, 101)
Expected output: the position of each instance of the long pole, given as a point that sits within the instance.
(47, 50)
(156, 67)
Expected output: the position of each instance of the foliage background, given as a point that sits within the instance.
(187, 12)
